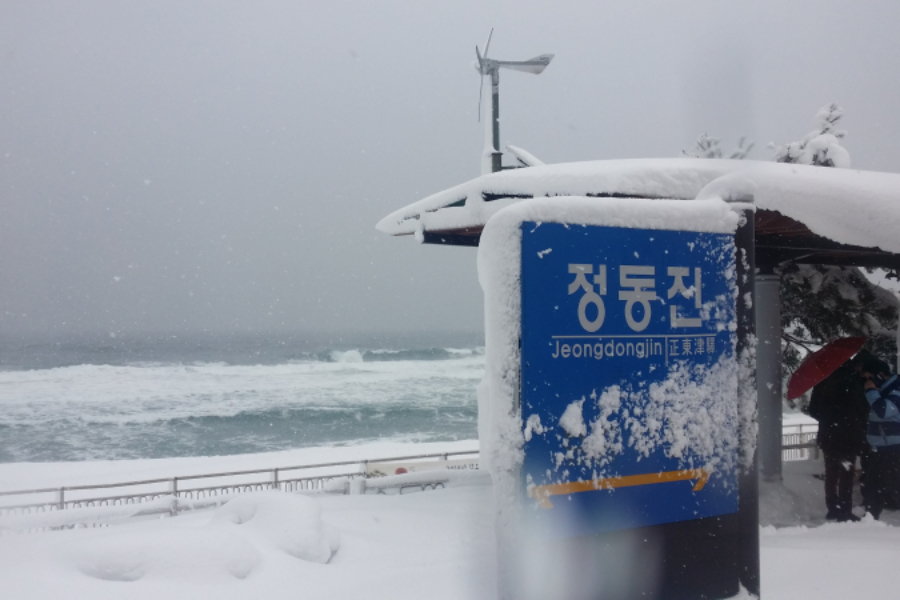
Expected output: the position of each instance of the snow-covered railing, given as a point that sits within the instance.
(95, 505)
(169, 496)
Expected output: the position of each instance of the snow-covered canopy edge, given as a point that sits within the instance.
(860, 208)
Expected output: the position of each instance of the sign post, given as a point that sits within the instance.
(631, 469)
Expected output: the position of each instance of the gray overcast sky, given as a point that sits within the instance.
(209, 165)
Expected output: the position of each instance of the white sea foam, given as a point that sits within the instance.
(348, 356)
(126, 393)
(158, 409)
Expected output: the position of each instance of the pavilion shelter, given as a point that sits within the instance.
(803, 215)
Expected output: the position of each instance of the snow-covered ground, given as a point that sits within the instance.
(434, 544)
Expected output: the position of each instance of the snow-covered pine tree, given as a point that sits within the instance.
(821, 146)
(820, 303)
(708, 147)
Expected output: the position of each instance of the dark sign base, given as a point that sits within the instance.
(689, 560)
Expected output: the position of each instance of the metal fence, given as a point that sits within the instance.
(798, 442)
(174, 494)
(101, 503)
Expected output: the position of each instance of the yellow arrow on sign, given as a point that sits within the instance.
(542, 493)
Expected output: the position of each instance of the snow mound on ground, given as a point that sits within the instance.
(231, 545)
(287, 522)
(196, 554)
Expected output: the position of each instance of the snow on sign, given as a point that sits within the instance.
(629, 379)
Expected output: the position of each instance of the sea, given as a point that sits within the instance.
(162, 396)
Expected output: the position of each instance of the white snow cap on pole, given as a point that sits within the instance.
(525, 157)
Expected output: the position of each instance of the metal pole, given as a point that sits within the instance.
(173, 509)
(898, 337)
(768, 359)
(748, 476)
(495, 119)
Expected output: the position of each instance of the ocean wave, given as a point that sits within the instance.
(156, 407)
(245, 432)
(347, 356)
(355, 355)
(384, 355)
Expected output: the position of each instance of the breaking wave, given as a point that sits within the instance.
(154, 408)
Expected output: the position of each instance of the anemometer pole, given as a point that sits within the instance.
(488, 67)
(496, 155)
(491, 155)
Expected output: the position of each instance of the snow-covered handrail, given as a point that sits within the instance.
(174, 497)
(68, 497)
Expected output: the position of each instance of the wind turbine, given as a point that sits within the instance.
(490, 158)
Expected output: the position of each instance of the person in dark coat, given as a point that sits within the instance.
(839, 404)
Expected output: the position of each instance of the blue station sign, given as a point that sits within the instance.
(629, 377)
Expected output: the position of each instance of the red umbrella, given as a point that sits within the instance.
(822, 363)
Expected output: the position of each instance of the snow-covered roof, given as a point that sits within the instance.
(858, 208)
